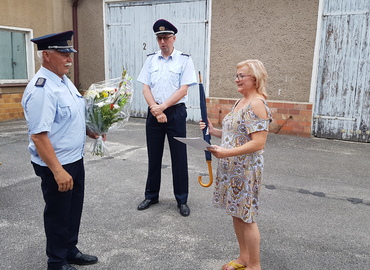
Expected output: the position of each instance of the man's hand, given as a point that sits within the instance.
(157, 110)
(64, 180)
(47, 153)
(95, 136)
(162, 118)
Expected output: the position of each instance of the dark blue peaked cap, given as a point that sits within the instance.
(58, 41)
(164, 27)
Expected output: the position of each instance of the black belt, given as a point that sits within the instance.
(177, 105)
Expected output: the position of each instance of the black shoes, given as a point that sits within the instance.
(146, 204)
(184, 209)
(81, 259)
(65, 267)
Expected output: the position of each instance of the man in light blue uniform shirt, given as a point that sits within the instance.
(56, 101)
(166, 77)
(55, 114)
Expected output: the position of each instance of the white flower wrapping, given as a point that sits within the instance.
(107, 108)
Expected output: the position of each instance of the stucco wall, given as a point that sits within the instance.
(280, 33)
(43, 17)
(56, 17)
(46, 16)
(91, 42)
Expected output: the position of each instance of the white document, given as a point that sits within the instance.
(198, 143)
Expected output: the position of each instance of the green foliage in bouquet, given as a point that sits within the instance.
(109, 113)
(107, 106)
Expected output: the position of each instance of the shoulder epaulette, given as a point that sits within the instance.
(40, 82)
(185, 54)
(151, 54)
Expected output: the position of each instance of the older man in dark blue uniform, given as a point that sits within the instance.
(55, 114)
(166, 77)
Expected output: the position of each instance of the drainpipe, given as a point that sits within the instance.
(75, 44)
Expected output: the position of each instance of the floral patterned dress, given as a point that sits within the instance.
(239, 178)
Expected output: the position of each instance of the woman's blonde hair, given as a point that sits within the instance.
(259, 72)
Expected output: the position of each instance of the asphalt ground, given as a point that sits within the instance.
(314, 214)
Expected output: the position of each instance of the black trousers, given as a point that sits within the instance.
(62, 213)
(155, 138)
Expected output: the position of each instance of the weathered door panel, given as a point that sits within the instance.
(343, 86)
(130, 38)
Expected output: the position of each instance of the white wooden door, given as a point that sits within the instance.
(342, 102)
(130, 38)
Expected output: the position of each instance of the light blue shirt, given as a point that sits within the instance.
(166, 76)
(55, 107)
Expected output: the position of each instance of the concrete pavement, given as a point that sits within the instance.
(315, 206)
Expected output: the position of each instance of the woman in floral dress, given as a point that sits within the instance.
(239, 173)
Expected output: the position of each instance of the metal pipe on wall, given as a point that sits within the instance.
(76, 73)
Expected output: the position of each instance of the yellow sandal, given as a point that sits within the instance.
(235, 265)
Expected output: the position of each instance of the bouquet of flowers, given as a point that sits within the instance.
(107, 108)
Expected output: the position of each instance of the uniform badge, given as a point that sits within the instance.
(162, 28)
(40, 82)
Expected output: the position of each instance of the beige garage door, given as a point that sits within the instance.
(129, 38)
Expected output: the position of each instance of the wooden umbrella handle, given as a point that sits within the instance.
(210, 175)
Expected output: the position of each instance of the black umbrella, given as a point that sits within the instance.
(206, 135)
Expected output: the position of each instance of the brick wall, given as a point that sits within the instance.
(293, 118)
(10, 106)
